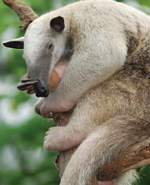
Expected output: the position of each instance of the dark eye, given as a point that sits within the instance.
(50, 47)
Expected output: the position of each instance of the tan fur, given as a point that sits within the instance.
(98, 42)
(101, 38)
(122, 106)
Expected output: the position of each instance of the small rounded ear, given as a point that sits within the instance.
(15, 43)
(58, 23)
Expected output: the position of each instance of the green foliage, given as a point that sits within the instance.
(144, 2)
(23, 160)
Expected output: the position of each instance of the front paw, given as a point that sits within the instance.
(53, 140)
(43, 108)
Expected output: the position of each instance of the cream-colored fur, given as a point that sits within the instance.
(100, 38)
(100, 42)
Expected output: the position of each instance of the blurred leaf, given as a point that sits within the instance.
(144, 2)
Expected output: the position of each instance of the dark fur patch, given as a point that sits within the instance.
(137, 66)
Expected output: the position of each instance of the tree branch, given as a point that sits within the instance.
(135, 156)
(24, 12)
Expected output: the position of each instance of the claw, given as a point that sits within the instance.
(26, 86)
(25, 78)
(26, 83)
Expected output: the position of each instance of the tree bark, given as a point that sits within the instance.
(135, 156)
(24, 12)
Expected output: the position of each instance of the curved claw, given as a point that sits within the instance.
(25, 78)
(26, 84)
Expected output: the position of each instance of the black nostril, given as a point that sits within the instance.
(41, 91)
